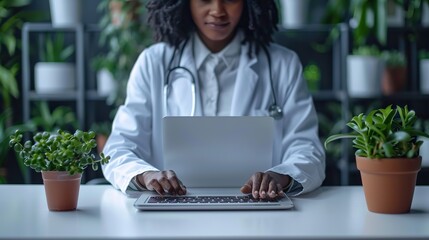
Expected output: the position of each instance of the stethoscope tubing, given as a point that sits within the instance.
(274, 110)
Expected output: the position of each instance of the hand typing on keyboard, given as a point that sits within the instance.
(266, 185)
(163, 182)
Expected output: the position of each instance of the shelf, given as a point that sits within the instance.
(396, 96)
(94, 96)
(326, 95)
(63, 96)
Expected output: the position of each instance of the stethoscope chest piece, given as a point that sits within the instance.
(275, 112)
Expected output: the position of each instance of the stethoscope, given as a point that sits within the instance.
(274, 110)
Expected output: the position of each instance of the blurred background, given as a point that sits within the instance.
(65, 64)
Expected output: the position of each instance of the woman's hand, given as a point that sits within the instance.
(266, 185)
(163, 182)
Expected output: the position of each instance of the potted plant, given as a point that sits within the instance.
(294, 12)
(65, 13)
(61, 158)
(61, 117)
(424, 71)
(387, 156)
(394, 77)
(364, 69)
(53, 74)
(124, 36)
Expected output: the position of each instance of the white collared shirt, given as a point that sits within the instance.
(217, 74)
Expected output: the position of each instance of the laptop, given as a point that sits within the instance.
(214, 157)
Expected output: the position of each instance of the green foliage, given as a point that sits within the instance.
(103, 128)
(312, 76)
(58, 152)
(60, 118)
(394, 58)
(384, 133)
(424, 55)
(5, 133)
(367, 51)
(361, 12)
(124, 36)
(55, 51)
(11, 21)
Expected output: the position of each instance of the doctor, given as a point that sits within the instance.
(215, 58)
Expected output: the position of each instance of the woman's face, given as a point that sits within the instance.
(216, 21)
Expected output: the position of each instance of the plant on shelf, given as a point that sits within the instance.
(11, 20)
(61, 117)
(394, 77)
(53, 74)
(124, 36)
(387, 156)
(312, 75)
(424, 71)
(364, 70)
(61, 158)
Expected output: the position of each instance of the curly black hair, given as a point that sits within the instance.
(171, 21)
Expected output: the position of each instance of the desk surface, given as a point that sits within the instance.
(105, 213)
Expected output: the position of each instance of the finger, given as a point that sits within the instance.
(280, 190)
(157, 187)
(165, 183)
(264, 185)
(272, 189)
(174, 181)
(247, 187)
(256, 184)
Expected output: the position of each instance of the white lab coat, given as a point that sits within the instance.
(135, 144)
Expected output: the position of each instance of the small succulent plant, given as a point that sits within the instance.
(58, 152)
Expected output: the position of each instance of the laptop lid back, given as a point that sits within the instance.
(217, 151)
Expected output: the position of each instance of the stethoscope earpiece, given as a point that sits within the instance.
(275, 112)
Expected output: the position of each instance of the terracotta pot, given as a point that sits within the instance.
(101, 141)
(394, 80)
(389, 183)
(62, 190)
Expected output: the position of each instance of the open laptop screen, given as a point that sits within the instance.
(217, 151)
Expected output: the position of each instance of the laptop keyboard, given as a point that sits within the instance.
(209, 200)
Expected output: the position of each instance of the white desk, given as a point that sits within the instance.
(105, 213)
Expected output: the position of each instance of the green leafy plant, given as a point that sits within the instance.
(55, 49)
(12, 17)
(59, 152)
(367, 51)
(312, 76)
(124, 37)
(103, 128)
(61, 117)
(394, 58)
(5, 133)
(423, 55)
(384, 133)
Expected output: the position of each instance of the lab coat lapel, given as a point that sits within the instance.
(188, 62)
(245, 84)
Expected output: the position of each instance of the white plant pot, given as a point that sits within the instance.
(54, 77)
(294, 12)
(106, 84)
(425, 15)
(364, 75)
(424, 152)
(65, 13)
(424, 76)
